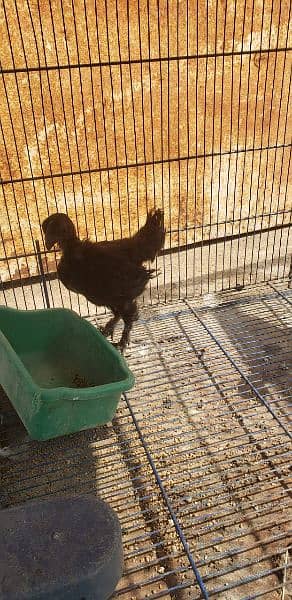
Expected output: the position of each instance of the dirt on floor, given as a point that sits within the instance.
(221, 455)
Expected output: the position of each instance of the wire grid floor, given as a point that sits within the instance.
(197, 461)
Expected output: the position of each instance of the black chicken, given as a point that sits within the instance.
(107, 273)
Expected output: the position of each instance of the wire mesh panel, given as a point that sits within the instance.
(223, 458)
(197, 462)
(108, 109)
(111, 108)
(109, 462)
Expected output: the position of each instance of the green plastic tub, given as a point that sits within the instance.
(59, 372)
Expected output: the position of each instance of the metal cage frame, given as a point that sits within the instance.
(108, 109)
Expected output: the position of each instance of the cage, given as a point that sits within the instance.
(108, 109)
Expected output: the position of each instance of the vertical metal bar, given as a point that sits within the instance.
(196, 155)
(63, 12)
(60, 81)
(213, 117)
(133, 116)
(276, 152)
(204, 147)
(10, 275)
(178, 186)
(261, 140)
(43, 48)
(269, 153)
(289, 230)
(152, 124)
(161, 133)
(290, 274)
(188, 147)
(113, 110)
(95, 126)
(285, 212)
(42, 112)
(12, 232)
(84, 121)
(2, 291)
(101, 72)
(168, 144)
(140, 27)
(122, 81)
(42, 273)
(237, 156)
(18, 153)
(252, 142)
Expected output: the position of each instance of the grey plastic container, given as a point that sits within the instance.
(60, 549)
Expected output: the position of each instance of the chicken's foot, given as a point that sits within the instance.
(108, 329)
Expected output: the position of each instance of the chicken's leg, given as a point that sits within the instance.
(108, 329)
(130, 314)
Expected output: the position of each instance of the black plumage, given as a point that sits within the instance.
(109, 273)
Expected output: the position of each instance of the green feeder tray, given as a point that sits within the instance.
(59, 372)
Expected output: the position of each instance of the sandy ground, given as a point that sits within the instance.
(222, 457)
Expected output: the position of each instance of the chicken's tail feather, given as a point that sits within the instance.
(150, 238)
